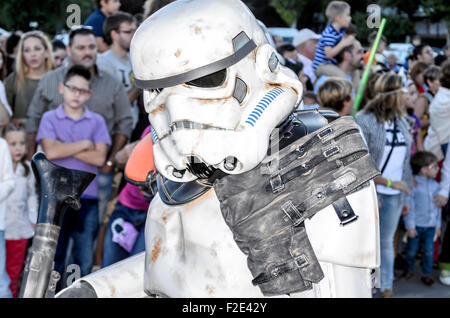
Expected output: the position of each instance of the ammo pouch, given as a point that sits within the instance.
(266, 207)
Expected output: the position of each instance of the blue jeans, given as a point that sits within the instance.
(112, 251)
(391, 210)
(105, 182)
(82, 227)
(4, 278)
(426, 236)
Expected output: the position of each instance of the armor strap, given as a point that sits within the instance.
(322, 194)
(296, 172)
(324, 136)
(267, 213)
(344, 211)
(340, 157)
(345, 214)
(298, 263)
(290, 266)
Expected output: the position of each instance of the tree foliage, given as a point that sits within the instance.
(50, 15)
(310, 14)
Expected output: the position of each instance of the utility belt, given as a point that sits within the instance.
(266, 207)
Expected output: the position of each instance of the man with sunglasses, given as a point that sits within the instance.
(118, 31)
(109, 99)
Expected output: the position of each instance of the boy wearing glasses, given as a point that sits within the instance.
(74, 137)
(423, 222)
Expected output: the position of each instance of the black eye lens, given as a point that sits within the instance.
(156, 90)
(212, 80)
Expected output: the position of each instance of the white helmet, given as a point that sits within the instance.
(213, 87)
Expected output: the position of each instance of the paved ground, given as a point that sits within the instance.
(414, 288)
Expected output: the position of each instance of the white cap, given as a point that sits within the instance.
(304, 35)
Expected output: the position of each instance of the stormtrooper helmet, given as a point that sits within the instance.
(213, 87)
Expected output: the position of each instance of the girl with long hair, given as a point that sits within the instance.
(34, 59)
(21, 205)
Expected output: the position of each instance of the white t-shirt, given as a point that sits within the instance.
(21, 206)
(394, 167)
(119, 69)
(7, 179)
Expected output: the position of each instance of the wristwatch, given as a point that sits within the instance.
(109, 163)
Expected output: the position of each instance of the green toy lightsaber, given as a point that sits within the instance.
(365, 77)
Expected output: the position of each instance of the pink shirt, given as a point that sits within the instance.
(131, 196)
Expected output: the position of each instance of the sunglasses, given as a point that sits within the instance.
(131, 31)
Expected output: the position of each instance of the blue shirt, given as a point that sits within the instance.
(96, 20)
(395, 69)
(423, 212)
(329, 37)
(56, 125)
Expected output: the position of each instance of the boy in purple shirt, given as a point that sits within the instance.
(76, 138)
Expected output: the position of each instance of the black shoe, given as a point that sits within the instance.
(427, 280)
(408, 274)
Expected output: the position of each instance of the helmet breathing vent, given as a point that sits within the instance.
(240, 90)
(240, 40)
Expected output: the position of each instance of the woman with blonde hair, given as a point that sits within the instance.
(34, 59)
(384, 125)
(421, 108)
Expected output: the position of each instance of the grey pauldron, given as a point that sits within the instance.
(265, 208)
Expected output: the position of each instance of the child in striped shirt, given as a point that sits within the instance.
(332, 39)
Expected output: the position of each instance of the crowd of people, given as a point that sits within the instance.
(79, 105)
(403, 117)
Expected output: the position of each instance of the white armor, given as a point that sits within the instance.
(252, 95)
(190, 251)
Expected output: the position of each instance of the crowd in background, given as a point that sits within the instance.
(77, 103)
(403, 116)
(49, 90)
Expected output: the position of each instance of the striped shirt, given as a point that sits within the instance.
(109, 99)
(329, 37)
